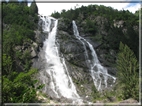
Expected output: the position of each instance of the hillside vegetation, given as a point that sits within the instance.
(98, 21)
(18, 24)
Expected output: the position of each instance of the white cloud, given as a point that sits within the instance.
(133, 8)
(118, 6)
(49, 8)
(121, 6)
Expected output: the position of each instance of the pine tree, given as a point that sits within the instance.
(33, 8)
(24, 2)
(128, 76)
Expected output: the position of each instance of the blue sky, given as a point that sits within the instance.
(133, 3)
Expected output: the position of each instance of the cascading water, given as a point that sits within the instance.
(98, 72)
(60, 83)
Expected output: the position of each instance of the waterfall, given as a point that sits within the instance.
(60, 82)
(99, 73)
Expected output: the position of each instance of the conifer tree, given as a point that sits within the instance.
(33, 8)
(25, 2)
(128, 75)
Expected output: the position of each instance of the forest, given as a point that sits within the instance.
(18, 24)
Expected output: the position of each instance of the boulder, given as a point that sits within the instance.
(40, 37)
(35, 44)
(33, 52)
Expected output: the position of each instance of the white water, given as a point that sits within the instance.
(96, 69)
(60, 81)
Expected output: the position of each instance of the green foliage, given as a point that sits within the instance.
(33, 8)
(115, 35)
(132, 40)
(18, 29)
(24, 2)
(128, 76)
(95, 10)
(17, 13)
(20, 87)
(55, 14)
(95, 94)
(6, 64)
(90, 27)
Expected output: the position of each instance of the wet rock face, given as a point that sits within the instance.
(73, 52)
(40, 37)
(28, 48)
(71, 49)
(65, 25)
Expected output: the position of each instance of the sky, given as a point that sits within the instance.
(49, 8)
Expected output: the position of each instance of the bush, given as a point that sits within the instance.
(20, 88)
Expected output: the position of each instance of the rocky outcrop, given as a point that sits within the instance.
(106, 56)
(118, 24)
(32, 48)
(73, 51)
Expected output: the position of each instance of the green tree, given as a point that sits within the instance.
(56, 14)
(128, 77)
(18, 84)
(6, 64)
(24, 2)
(20, 88)
(33, 8)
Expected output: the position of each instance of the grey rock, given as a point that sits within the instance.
(40, 37)
(112, 71)
(73, 52)
(35, 44)
(118, 23)
(33, 53)
(18, 48)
